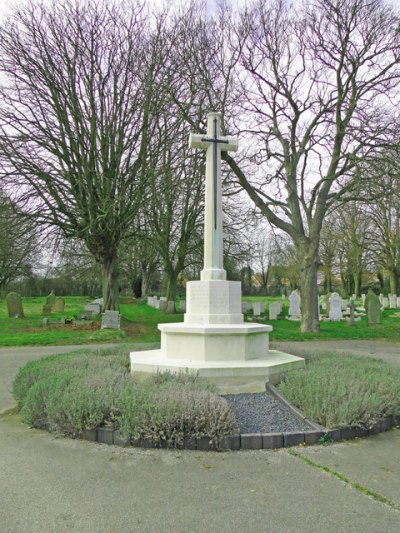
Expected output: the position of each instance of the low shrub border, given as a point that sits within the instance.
(254, 441)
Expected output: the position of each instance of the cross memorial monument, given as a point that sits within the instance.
(214, 341)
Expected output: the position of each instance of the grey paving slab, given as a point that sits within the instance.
(49, 484)
(373, 462)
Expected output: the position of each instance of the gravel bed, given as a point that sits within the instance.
(262, 413)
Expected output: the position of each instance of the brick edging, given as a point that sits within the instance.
(248, 441)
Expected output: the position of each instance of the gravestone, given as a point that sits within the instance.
(398, 302)
(385, 302)
(327, 303)
(51, 299)
(352, 310)
(150, 301)
(14, 305)
(182, 306)
(294, 306)
(162, 304)
(274, 310)
(110, 320)
(156, 303)
(392, 301)
(46, 309)
(335, 308)
(363, 298)
(59, 305)
(258, 308)
(373, 309)
(171, 306)
(93, 308)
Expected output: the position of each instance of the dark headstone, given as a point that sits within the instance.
(14, 305)
(46, 309)
(51, 299)
(373, 308)
(59, 305)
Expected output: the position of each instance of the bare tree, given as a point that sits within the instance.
(318, 86)
(77, 102)
(19, 243)
(311, 91)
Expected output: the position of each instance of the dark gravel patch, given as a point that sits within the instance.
(262, 413)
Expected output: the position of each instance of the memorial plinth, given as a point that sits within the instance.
(214, 341)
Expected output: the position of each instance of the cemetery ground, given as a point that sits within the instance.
(52, 484)
(139, 324)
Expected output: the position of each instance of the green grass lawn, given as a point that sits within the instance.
(139, 324)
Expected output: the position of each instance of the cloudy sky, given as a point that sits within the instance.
(6, 4)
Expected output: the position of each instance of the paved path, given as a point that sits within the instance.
(387, 351)
(50, 484)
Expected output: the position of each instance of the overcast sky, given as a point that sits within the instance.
(6, 4)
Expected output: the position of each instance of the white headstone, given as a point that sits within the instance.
(363, 296)
(274, 310)
(182, 306)
(335, 311)
(392, 301)
(398, 302)
(385, 302)
(258, 308)
(294, 306)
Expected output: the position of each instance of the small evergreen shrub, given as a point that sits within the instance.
(339, 390)
(84, 390)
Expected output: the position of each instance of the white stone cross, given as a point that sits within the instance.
(213, 240)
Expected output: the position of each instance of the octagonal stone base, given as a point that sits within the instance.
(230, 376)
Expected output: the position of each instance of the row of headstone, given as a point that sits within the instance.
(164, 305)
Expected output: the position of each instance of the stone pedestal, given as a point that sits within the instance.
(216, 343)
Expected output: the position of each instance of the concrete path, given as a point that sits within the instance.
(57, 485)
(387, 351)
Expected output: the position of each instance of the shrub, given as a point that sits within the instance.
(338, 391)
(169, 414)
(73, 392)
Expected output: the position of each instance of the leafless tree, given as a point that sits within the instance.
(320, 84)
(19, 243)
(78, 102)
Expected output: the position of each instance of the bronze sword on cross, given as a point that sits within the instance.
(214, 144)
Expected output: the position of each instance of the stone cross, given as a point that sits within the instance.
(213, 240)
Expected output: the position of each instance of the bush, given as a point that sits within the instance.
(338, 391)
(169, 414)
(73, 392)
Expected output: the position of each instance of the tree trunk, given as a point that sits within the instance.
(309, 262)
(393, 282)
(172, 281)
(109, 275)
